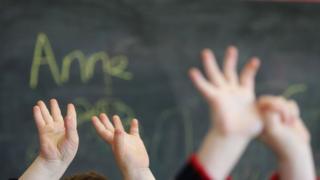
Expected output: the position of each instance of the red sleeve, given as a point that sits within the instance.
(275, 176)
(200, 169)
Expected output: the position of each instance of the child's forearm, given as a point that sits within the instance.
(297, 165)
(138, 174)
(219, 154)
(40, 169)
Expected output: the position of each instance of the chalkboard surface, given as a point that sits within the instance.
(131, 57)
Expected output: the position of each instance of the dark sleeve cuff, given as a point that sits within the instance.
(275, 176)
(197, 166)
(195, 171)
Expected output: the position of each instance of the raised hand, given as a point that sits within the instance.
(234, 114)
(128, 148)
(58, 138)
(286, 134)
(231, 98)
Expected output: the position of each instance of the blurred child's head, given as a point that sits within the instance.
(91, 175)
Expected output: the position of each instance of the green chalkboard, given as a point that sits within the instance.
(131, 57)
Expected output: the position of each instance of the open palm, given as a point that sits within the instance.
(58, 137)
(231, 98)
(128, 148)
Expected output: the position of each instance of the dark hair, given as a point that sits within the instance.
(91, 175)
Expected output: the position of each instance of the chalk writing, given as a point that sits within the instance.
(294, 89)
(44, 56)
(110, 106)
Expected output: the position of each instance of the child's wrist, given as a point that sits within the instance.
(291, 151)
(219, 153)
(297, 164)
(294, 153)
(138, 174)
(238, 142)
(219, 134)
(54, 169)
(44, 169)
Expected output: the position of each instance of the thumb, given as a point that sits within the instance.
(119, 142)
(71, 129)
(272, 120)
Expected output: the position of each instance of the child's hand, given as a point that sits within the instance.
(128, 148)
(234, 113)
(287, 136)
(283, 128)
(231, 98)
(59, 138)
(59, 141)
